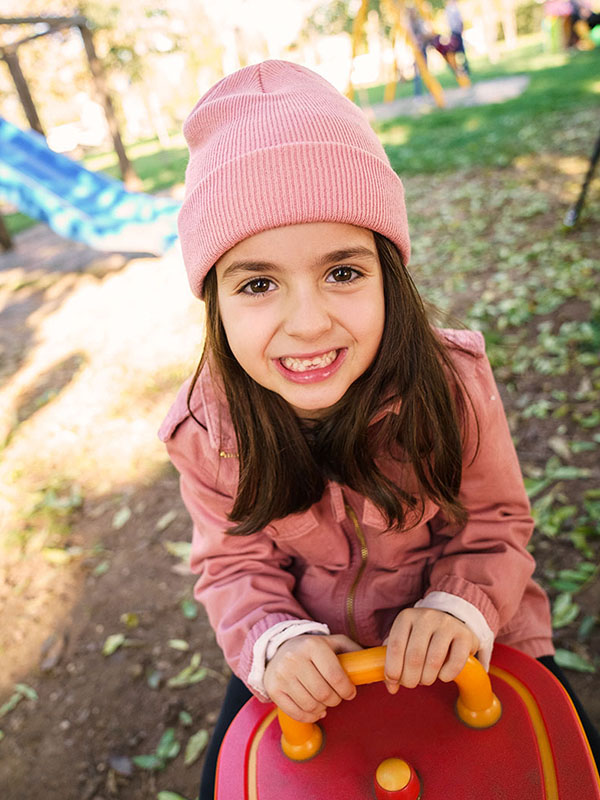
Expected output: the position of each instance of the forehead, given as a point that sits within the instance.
(295, 245)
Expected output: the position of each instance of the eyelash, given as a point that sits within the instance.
(246, 288)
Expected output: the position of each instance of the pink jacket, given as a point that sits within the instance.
(336, 563)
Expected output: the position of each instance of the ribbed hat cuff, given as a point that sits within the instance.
(286, 185)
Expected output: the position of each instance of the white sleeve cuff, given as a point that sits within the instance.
(467, 613)
(267, 643)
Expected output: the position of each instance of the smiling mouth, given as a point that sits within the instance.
(307, 364)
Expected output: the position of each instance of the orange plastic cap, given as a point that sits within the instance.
(396, 780)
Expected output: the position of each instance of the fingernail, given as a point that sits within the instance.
(393, 688)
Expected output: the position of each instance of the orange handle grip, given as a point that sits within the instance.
(477, 706)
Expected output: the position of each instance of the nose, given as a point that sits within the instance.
(306, 315)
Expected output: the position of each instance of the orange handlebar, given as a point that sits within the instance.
(477, 706)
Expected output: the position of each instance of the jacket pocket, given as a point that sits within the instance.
(310, 540)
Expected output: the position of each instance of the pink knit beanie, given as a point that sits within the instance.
(275, 144)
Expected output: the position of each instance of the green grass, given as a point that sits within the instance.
(17, 222)
(158, 168)
(562, 88)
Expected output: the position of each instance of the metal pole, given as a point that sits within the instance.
(573, 213)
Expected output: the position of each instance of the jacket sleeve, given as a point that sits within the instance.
(244, 583)
(486, 562)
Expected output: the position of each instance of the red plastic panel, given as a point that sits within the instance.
(419, 725)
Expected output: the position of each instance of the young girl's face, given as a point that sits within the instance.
(303, 310)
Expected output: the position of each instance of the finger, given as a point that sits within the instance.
(435, 658)
(396, 651)
(414, 658)
(458, 653)
(322, 694)
(335, 680)
(289, 706)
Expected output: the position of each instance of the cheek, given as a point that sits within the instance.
(247, 335)
(370, 325)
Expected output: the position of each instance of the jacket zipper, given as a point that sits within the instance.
(364, 553)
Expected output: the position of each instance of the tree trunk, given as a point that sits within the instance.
(6, 242)
(509, 23)
(489, 17)
(12, 59)
(130, 179)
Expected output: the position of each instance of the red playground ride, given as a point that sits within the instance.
(513, 734)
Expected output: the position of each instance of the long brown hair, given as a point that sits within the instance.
(410, 405)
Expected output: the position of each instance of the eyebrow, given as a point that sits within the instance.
(252, 266)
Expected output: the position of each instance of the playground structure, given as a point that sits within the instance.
(396, 13)
(513, 734)
(73, 201)
(79, 204)
(572, 24)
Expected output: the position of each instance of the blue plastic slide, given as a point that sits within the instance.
(78, 204)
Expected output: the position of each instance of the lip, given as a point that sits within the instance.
(312, 375)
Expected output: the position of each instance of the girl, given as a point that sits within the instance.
(348, 468)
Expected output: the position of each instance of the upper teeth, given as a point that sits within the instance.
(302, 364)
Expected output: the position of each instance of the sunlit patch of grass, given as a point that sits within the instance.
(158, 168)
(542, 118)
(17, 222)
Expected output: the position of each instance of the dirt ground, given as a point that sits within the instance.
(92, 350)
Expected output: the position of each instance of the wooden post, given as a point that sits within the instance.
(130, 179)
(12, 59)
(357, 29)
(6, 242)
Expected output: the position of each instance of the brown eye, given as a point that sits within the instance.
(342, 275)
(257, 286)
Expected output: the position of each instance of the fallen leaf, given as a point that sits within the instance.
(189, 609)
(588, 624)
(130, 619)
(189, 675)
(569, 660)
(61, 555)
(560, 447)
(166, 519)
(151, 762)
(26, 691)
(154, 679)
(182, 568)
(12, 702)
(195, 746)
(178, 644)
(121, 518)
(101, 568)
(112, 643)
(564, 610)
(185, 718)
(168, 746)
(179, 549)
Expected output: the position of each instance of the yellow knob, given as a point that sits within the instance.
(393, 774)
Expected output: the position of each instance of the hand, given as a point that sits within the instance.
(304, 677)
(425, 644)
